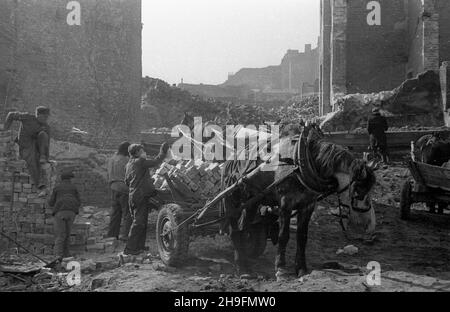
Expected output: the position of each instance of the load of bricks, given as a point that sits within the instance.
(24, 216)
(201, 179)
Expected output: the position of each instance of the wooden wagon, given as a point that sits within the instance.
(181, 217)
(431, 185)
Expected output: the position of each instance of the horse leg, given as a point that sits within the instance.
(303, 218)
(283, 237)
(240, 259)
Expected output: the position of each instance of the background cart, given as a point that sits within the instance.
(431, 185)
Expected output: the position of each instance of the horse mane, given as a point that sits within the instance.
(330, 158)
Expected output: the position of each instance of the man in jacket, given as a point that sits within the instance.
(119, 194)
(66, 203)
(34, 142)
(141, 189)
(377, 127)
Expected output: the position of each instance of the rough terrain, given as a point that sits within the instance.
(414, 256)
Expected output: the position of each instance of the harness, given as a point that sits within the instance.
(308, 175)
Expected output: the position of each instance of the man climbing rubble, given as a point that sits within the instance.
(377, 127)
(34, 142)
(141, 189)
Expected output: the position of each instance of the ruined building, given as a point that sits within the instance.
(370, 46)
(298, 71)
(86, 67)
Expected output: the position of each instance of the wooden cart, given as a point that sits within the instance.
(431, 185)
(181, 217)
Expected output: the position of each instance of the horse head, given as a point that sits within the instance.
(362, 181)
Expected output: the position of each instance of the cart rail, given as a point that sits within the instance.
(430, 176)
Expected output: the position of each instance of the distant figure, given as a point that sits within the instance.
(34, 142)
(377, 127)
(120, 208)
(66, 203)
(139, 182)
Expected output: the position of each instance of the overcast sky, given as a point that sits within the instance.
(202, 41)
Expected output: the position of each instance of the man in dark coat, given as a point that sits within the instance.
(65, 201)
(119, 194)
(141, 189)
(33, 141)
(377, 127)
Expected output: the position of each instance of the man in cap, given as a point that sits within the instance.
(119, 194)
(34, 142)
(140, 184)
(66, 203)
(377, 127)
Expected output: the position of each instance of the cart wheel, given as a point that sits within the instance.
(256, 241)
(172, 241)
(405, 201)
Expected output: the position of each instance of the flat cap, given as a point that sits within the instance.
(134, 149)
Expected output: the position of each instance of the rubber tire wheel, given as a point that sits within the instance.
(256, 241)
(405, 201)
(176, 252)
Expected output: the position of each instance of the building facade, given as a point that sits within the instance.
(80, 58)
(370, 46)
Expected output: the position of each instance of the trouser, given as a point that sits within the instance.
(120, 211)
(138, 231)
(63, 222)
(32, 153)
(379, 148)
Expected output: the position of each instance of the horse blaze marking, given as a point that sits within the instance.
(374, 16)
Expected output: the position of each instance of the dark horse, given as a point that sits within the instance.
(433, 149)
(353, 181)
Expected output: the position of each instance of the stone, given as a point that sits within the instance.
(97, 283)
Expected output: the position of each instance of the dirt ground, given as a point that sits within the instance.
(414, 256)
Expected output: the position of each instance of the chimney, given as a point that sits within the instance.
(307, 48)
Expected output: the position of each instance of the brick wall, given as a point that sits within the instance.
(376, 55)
(27, 218)
(89, 75)
(415, 38)
(443, 7)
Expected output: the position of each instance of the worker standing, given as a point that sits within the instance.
(141, 189)
(34, 143)
(377, 127)
(66, 203)
(120, 209)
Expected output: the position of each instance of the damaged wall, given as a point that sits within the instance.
(410, 37)
(89, 75)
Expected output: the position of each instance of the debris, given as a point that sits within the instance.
(97, 283)
(348, 250)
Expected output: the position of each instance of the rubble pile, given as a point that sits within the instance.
(297, 108)
(202, 179)
(26, 218)
(416, 102)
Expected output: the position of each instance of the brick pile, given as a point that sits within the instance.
(202, 179)
(24, 216)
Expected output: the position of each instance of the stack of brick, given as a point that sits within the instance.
(202, 179)
(23, 215)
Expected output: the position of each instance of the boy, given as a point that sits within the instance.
(66, 203)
